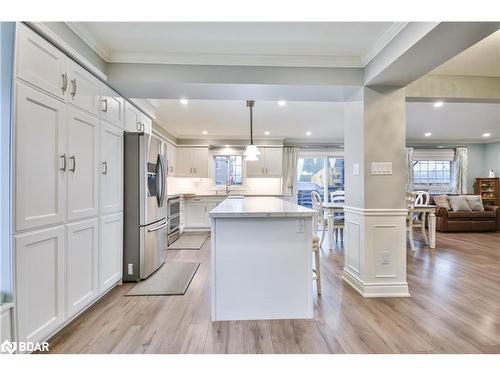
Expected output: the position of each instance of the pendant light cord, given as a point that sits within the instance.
(250, 104)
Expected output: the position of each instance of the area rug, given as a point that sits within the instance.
(172, 279)
(189, 242)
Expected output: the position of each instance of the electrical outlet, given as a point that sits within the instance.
(130, 269)
(386, 257)
(300, 226)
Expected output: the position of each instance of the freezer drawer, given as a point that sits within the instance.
(154, 245)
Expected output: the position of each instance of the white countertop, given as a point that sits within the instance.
(260, 207)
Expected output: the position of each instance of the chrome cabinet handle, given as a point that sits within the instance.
(262, 170)
(138, 126)
(105, 165)
(73, 159)
(64, 86)
(163, 225)
(190, 170)
(63, 157)
(267, 171)
(105, 105)
(194, 170)
(73, 84)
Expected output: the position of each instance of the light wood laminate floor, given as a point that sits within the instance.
(454, 308)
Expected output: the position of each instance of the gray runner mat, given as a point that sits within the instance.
(189, 242)
(170, 279)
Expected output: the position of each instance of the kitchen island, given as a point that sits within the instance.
(261, 260)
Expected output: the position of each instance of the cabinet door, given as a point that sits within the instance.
(171, 159)
(40, 63)
(112, 107)
(274, 162)
(39, 278)
(83, 165)
(183, 162)
(132, 118)
(147, 124)
(196, 214)
(200, 162)
(257, 168)
(83, 88)
(111, 169)
(40, 159)
(82, 264)
(110, 251)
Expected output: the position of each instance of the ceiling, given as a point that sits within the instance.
(482, 59)
(462, 122)
(229, 119)
(320, 44)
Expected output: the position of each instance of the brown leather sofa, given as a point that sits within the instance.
(468, 221)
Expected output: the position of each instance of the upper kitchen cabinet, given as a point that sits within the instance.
(40, 161)
(270, 164)
(136, 121)
(112, 107)
(192, 162)
(171, 159)
(83, 88)
(40, 63)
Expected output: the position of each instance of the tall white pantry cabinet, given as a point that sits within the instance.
(67, 187)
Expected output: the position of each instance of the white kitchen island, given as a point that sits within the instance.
(261, 260)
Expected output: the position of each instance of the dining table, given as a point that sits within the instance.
(331, 208)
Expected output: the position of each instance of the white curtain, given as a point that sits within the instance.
(409, 169)
(461, 161)
(290, 159)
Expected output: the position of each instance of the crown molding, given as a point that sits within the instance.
(325, 61)
(382, 41)
(84, 34)
(447, 142)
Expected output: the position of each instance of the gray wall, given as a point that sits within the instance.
(492, 158)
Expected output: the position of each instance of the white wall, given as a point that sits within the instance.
(257, 186)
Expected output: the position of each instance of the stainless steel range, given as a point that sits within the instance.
(174, 218)
(145, 212)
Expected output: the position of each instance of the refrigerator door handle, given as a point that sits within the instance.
(158, 227)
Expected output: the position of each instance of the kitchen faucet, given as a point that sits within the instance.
(228, 187)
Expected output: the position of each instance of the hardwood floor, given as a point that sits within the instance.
(454, 308)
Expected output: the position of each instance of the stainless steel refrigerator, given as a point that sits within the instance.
(145, 211)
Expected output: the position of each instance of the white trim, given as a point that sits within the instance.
(66, 48)
(6, 306)
(381, 42)
(376, 211)
(84, 34)
(374, 290)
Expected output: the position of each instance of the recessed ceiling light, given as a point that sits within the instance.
(204, 132)
(266, 133)
(428, 134)
(227, 146)
(440, 146)
(486, 135)
(184, 101)
(308, 133)
(281, 103)
(438, 104)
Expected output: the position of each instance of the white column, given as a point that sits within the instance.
(375, 240)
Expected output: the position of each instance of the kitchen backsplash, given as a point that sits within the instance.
(184, 185)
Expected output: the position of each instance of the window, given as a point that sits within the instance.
(228, 170)
(321, 173)
(432, 175)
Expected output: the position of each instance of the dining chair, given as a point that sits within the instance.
(320, 219)
(412, 220)
(338, 218)
(422, 198)
(317, 242)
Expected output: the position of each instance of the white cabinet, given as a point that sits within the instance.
(147, 124)
(110, 251)
(6, 324)
(111, 178)
(192, 162)
(82, 264)
(270, 164)
(40, 159)
(39, 278)
(112, 107)
(83, 165)
(196, 213)
(171, 159)
(40, 63)
(132, 118)
(83, 88)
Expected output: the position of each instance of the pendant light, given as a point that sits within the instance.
(252, 152)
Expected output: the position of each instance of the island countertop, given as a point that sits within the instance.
(259, 207)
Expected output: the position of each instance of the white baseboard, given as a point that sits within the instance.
(376, 290)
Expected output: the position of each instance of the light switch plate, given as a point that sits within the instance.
(355, 169)
(382, 168)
